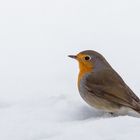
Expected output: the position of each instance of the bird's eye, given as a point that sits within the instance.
(87, 58)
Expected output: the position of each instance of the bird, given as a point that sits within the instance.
(102, 87)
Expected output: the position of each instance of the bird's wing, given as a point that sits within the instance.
(107, 84)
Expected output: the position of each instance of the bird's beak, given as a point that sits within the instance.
(72, 56)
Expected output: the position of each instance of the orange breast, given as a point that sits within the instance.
(84, 68)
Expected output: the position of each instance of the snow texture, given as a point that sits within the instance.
(39, 99)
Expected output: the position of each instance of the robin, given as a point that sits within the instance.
(102, 87)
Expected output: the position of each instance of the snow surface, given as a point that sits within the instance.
(39, 99)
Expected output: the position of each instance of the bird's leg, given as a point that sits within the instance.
(113, 114)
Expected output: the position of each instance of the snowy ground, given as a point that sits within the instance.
(39, 99)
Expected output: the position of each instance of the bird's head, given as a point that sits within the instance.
(89, 61)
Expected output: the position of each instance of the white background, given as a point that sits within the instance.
(39, 99)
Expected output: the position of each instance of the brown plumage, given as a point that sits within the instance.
(101, 86)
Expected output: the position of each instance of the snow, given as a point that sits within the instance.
(39, 99)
